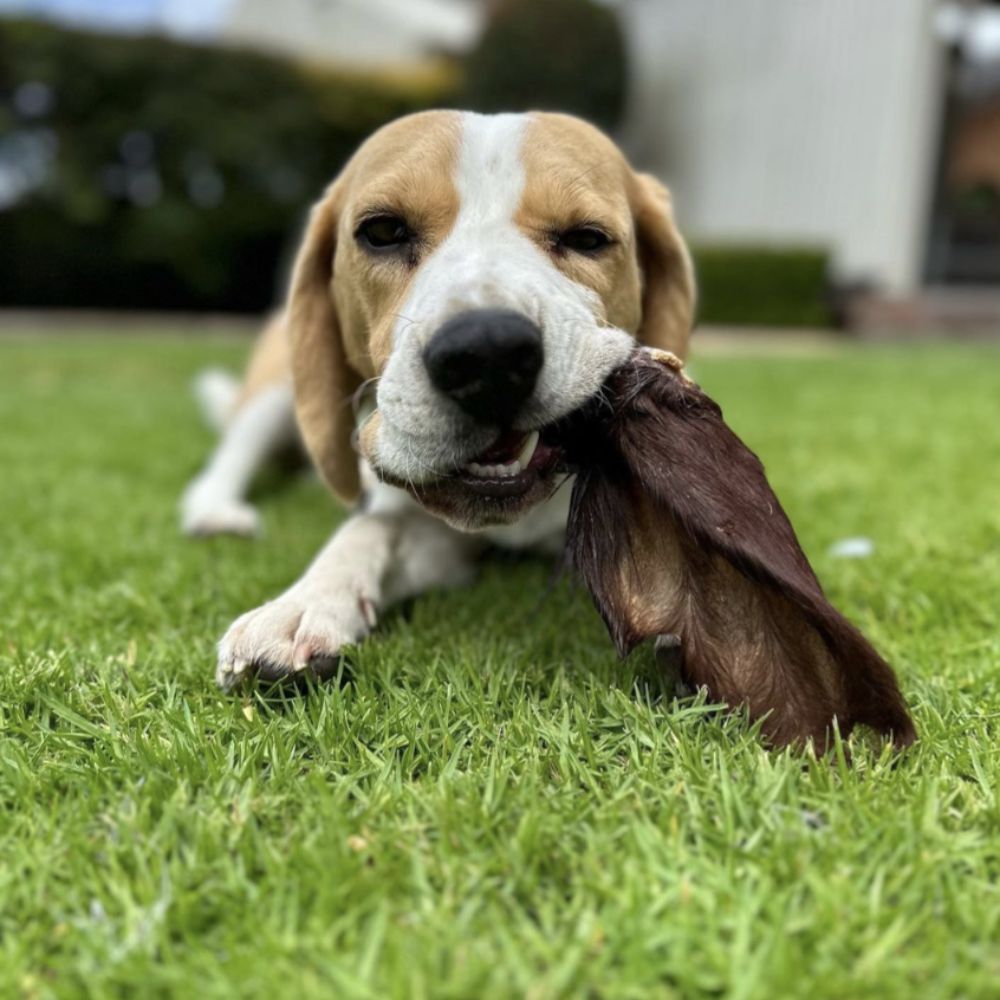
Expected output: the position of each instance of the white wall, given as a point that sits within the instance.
(364, 33)
(793, 121)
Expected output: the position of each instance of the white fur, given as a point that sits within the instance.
(214, 502)
(395, 549)
(543, 527)
(372, 561)
(487, 262)
(216, 391)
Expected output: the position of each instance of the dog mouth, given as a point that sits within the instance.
(512, 465)
(495, 486)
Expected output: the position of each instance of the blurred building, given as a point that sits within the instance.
(368, 33)
(790, 122)
(841, 124)
(866, 128)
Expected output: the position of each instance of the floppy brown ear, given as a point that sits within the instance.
(324, 380)
(675, 530)
(668, 287)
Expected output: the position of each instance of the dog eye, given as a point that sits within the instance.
(583, 239)
(383, 232)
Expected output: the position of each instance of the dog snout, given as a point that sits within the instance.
(487, 361)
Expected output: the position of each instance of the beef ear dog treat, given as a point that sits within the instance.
(675, 531)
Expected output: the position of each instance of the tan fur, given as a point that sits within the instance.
(405, 169)
(340, 316)
(270, 362)
(668, 284)
(577, 175)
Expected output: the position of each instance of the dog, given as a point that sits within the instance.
(464, 284)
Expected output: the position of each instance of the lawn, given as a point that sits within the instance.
(490, 804)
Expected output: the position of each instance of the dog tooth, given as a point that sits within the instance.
(528, 449)
(494, 471)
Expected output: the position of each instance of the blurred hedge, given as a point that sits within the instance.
(165, 175)
(550, 55)
(763, 286)
(176, 173)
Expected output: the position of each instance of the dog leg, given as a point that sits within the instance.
(216, 391)
(372, 561)
(213, 502)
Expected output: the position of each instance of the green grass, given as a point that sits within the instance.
(494, 805)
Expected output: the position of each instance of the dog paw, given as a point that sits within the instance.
(204, 513)
(291, 637)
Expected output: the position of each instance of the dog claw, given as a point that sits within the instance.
(289, 638)
(367, 609)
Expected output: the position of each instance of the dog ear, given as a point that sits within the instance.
(675, 530)
(323, 378)
(668, 286)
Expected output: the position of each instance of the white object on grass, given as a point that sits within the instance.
(852, 548)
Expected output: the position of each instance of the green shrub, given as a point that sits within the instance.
(167, 175)
(763, 286)
(552, 55)
(163, 175)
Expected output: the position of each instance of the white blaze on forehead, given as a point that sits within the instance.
(490, 174)
(485, 261)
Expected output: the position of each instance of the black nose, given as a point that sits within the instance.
(487, 361)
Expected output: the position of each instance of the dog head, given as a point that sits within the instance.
(485, 273)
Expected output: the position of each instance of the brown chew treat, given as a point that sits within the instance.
(675, 531)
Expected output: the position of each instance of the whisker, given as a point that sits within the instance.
(406, 319)
(360, 397)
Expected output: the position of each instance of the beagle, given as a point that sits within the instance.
(465, 283)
